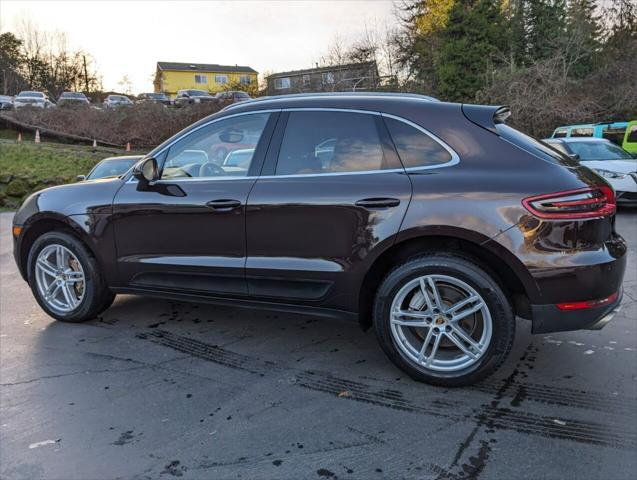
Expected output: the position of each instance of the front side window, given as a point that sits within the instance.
(201, 79)
(416, 148)
(330, 142)
(210, 151)
(281, 83)
(221, 78)
(560, 133)
(632, 136)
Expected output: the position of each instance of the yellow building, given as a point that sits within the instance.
(171, 77)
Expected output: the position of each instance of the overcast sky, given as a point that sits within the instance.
(128, 38)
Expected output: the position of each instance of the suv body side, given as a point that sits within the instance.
(440, 212)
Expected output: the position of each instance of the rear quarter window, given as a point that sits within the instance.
(416, 148)
(534, 146)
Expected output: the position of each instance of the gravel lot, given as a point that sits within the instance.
(159, 389)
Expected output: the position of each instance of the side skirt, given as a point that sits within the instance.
(244, 303)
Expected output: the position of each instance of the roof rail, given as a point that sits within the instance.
(271, 98)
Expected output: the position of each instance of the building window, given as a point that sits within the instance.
(221, 78)
(201, 79)
(328, 77)
(281, 83)
(245, 79)
(306, 79)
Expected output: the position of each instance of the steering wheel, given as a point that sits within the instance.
(210, 169)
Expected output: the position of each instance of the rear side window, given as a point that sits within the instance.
(416, 148)
(317, 142)
(582, 132)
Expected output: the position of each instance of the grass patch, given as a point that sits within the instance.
(28, 167)
(48, 161)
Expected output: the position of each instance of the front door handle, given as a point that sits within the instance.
(378, 202)
(223, 204)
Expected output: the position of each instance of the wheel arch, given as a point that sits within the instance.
(43, 223)
(507, 270)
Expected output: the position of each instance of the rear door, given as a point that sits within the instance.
(333, 192)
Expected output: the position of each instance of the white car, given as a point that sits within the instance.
(609, 160)
(32, 99)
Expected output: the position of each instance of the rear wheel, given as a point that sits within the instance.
(443, 320)
(65, 278)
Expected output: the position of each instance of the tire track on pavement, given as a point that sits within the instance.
(618, 435)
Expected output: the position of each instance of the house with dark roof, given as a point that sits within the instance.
(335, 78)
(172, 76)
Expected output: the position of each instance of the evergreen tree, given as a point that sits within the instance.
(474, 34)
(546, 27)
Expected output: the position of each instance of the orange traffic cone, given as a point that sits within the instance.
(19, 137)
(94, 143)
(128, 146)
(37, 136)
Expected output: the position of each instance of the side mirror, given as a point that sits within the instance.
(574, 156)
(146, 171)
(80, 178)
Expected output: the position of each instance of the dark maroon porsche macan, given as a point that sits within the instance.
(435, 223)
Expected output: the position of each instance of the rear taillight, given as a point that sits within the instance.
(588, 303)
(586, 202)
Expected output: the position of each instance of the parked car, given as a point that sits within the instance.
(160, 98)
(613, 131)
(114, 101)
(6, 102)
(613, 163)
(32, 99)
(436, 223)
(73, 99)
(232, 96)
(111, 167)
(190, 97)
(630, 138)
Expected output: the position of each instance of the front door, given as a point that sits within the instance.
(332, 191)
(186, 232)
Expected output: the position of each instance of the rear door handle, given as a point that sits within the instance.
(223, 204)
(378, 202)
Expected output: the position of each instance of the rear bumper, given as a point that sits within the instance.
(548, 318)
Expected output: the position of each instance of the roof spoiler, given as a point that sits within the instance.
(486, 116)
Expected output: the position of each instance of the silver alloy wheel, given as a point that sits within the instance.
(440, 323)
(60, 278)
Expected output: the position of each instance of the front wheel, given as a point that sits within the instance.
(65, 278)
(444, 320)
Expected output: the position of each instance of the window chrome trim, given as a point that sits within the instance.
(455, 159)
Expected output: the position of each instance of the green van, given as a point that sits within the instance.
(630, 138)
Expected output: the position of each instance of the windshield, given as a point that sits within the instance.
(197, 93)
(157, 96)
(31, 94)
(533, 146)
(241, 95)
(111, 168)
(599, 151)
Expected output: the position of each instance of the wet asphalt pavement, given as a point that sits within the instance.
(160, 389)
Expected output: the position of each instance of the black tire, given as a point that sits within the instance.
(97, 297)
(471, 273)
